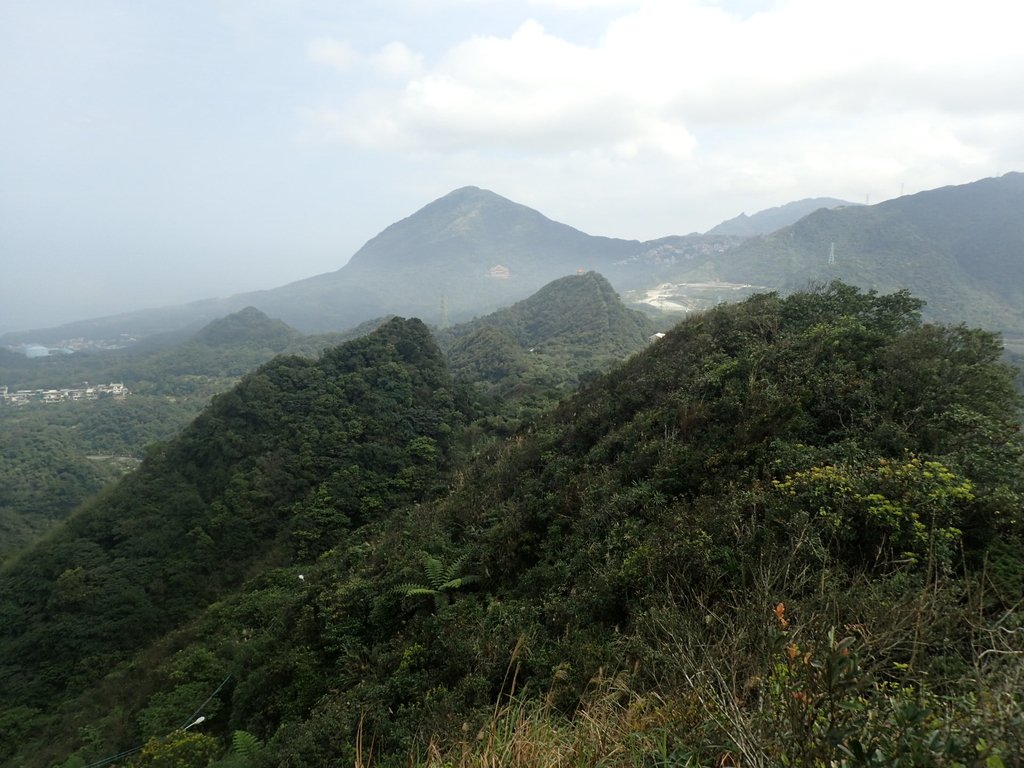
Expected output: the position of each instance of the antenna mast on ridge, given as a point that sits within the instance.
(444, 313)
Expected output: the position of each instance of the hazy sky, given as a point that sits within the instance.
(158, 151)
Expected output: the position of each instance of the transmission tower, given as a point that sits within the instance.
(832, 254)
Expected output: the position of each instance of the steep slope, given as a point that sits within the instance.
(765, 533)
(43, 476)
(960, 248)
(297, 451)
(982, 227)
(771, 219)
(579, 310)
(584, 328)
(823, 450)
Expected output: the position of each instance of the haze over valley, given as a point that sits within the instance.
(473, 251)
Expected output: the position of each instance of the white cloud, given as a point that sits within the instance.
(800, 92)
(530, 92)
(394, 60)
(397, 60)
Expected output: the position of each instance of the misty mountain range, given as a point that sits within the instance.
(473, 251)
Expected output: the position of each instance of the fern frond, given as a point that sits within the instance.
(453, 569)
(411, 590)
(437, 574)
(459, 583)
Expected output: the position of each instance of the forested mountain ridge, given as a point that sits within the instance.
(960, 248)
(248, 326)
(299, 449)
(767, 221)
(474, 251)
(571, 328)
(769, 528)
(224, 348)
(582, 310)
(58, 455)
(446, 251)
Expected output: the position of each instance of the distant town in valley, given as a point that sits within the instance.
(84, 392)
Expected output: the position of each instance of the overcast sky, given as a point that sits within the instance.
(158, 151)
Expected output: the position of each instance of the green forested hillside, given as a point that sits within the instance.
(583, 311)
(767, 221)
(787, 533)
(299, 451)
(55, 456)
(982, 226)
(43, 477)
(58, 455)
(960, 248)
(573, 327)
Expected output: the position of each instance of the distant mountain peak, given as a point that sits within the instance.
(461, 236)
(467, 191)
(467, 199)
(772, 219)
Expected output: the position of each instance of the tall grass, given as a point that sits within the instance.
(780, 687)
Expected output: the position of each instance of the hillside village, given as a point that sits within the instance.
(85, 392)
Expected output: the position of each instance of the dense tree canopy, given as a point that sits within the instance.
(786, 533)
(298, 452)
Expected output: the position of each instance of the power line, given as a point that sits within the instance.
(188, 721)
(208, 698)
